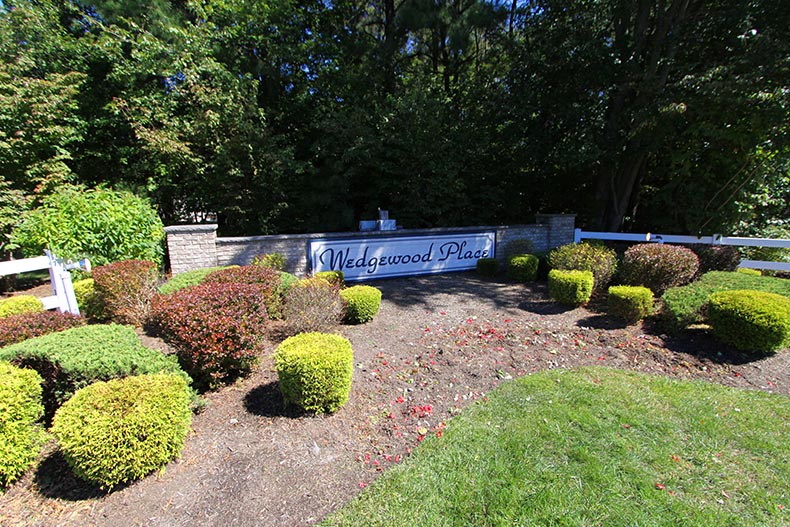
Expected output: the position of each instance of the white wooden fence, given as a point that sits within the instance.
(716, 239)
(63, 298)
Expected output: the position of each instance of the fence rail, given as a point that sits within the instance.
(716, 239)
(63, 298)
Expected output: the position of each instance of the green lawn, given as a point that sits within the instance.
(595, 447)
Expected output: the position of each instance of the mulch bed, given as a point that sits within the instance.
(439, 344)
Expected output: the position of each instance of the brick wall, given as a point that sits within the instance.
(191, 247)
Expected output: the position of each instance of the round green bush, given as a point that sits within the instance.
(16, 305)
(631, 303)
(121, 430)
(572, 288)
(20, 409)
(600, 260)
(89, 301)
(658, 266)
(315, 371)
(102, 224)
(361, 302)
(523, 267)
(750, 320)
(487, 266)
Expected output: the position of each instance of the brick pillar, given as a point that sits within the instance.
(561, 227)
(191, 247)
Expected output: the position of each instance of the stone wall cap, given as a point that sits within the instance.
(208, 227)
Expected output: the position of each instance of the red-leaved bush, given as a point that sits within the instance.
(658, 267)
(126, 289)
(217, 330)
(266, 278)
(23, 326)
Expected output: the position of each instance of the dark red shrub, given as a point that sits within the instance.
(17, 328)
(266, 278)
(658, 267)
(716, 257)
(126, 288)
(217, 330)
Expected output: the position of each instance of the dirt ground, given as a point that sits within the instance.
(438, 344)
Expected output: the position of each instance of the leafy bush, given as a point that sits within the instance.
(631, 303)
(523, 267)
(17, 328)
(313, 304)
(361, 303)
(600, 260)
(658, 267)
(121, 430)
(125, 289)
(187, 279)
(487, 266)
(747, 270)
(20, 409)
(266, 279)
(287, 281)
(682, 306)
(518, 246)
(571, 288)
(750, 320)
(336, 278)
(716, 258)
(74, 358)
(103, 224)
(315, 371)
(88, 300)
(274, 261)
(19, 304)
(216, 329)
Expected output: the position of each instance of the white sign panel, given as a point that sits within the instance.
(370, 258)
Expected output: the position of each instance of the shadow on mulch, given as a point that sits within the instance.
(699, 342)
(267, 401)
(55, 479)
(601, 321)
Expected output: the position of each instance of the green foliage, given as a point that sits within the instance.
(748, 271)
(102, 224)
(16, 305)
(315, 371)
(274, 260)
(124, 290)
(336, 278)
(72, 359)
(682, 306)
(487, 266)
(121, 430)
(20, 409)
(89, 301)
(523, 267)
(186, 279)
(750, 320)
(658, 266)
(598, 259)
(311, 305)
(631, 303)
(23, 326)
(361, 303)
(572, 288)
(287, 281)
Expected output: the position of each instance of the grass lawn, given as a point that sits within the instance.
(595, 447)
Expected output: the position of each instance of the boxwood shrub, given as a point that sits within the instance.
(523, 267)
(572, 288)
(658, 266)
(266, 279)
(336, 278)
(20, 410)
(88, 300)
(361, 303)
(600, 260)
(187, 279)
(17, 328)
(74, 358)
(125, 289)
(121, 430)
(750, 320)
(630, 303)
(16, 305)
(217, 329)
(315, 371)
(487, 266)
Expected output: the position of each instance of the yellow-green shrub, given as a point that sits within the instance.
(88, 300)
(523, 267)
(315, 371)
(20, 304)
(750, 320)
(362, 303)
(749, 271)
(571, 288)
(333, 277)
(631, 303)
(121, 430)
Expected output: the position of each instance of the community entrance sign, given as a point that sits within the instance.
(382, 257)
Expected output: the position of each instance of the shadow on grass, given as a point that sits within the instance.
(55, 479)
(267, 401)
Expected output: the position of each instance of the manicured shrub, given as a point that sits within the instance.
(336, 278)
(121, 430)
(274, 261)
(313, 304)
(16, 305)
(572, 288)
(217, 329)
(716, 257)
(74, 358)
(102, 224)
(125, 289)
(20, 410)
(658, 267)
(17, 328)
(315, 371)
(523, 268)
(487, 266)
(266, 279)
(187, 279)
(751, 272)
(750, 320)
(682, 306)
(600, 260)
(88, 300)
(630, 303)
(287, 281)
(361, 302)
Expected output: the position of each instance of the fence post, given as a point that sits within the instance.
(62, 285)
